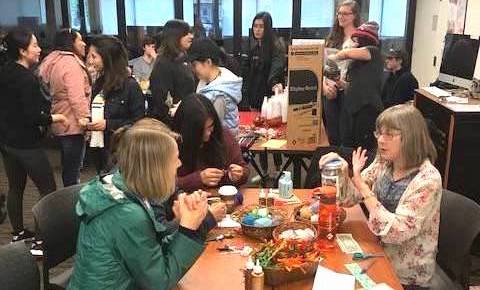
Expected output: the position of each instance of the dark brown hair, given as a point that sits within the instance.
(171, 34)
(16, 39)
(336, 36)
(65, 38)
(115, 62)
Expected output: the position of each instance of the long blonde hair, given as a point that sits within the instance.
(416, 142)
(144, 157)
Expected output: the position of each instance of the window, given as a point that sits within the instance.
(148, 12)
(28, 13)
(318, 13)
(108, 16)
(208, 13)
(391, 15)
(281, 11)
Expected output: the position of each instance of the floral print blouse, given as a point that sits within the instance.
(410, 234)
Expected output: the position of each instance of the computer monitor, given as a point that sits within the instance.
(459, 59)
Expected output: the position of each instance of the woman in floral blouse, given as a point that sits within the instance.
(402, 191)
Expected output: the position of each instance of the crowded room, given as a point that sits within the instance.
(239, 144)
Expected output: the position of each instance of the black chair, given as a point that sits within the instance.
(18, 269)
(459, 226)
(57, 226)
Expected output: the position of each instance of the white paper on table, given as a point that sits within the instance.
(382, 286)
(326, 279)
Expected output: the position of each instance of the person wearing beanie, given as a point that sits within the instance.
(172, 79)
(222, 87)
(362, 97)
(400, 84)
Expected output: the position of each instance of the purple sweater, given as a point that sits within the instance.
(191, 180)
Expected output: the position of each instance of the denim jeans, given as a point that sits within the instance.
(20, 163)
(72, 152)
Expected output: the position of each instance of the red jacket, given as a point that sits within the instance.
(190, 181)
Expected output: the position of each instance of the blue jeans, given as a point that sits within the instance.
(72, 151)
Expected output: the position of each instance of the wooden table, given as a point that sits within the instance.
(218, 271)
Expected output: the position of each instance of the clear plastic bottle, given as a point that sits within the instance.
(285, 185)
(328, 209)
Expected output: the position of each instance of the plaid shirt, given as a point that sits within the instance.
(410, 233)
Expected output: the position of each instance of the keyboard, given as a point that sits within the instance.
(437, 92)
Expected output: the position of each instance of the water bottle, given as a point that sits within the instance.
(328, 209)
(285, 185)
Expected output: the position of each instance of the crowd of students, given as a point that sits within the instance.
(137, 228)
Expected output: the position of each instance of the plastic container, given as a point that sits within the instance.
(285, 185)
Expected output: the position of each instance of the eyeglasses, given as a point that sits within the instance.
(344, 13)
(388, 136)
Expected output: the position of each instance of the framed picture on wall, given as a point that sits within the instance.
(457, 14)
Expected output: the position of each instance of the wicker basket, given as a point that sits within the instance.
(275, 276)
(295, 225)
(342, 215)
(260, 233)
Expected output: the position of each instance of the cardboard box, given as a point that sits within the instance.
(305, 76)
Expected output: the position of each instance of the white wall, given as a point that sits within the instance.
(428, 37)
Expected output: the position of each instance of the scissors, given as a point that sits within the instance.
(362, 256)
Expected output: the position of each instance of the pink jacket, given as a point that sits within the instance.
(70, 88)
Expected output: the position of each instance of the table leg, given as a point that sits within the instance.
(253, 162)
(297, 172)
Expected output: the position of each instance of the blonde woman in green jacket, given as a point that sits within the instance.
(120, 245)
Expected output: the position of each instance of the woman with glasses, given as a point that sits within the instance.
(402, 191)
(347, 20)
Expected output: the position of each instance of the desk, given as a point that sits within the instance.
(455, 131)
(216, 271)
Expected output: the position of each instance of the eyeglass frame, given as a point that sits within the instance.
(344, 13)
(386, 135)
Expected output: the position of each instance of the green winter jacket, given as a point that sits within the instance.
(122, 247)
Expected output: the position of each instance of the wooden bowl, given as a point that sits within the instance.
(341, 216)
(275, 276)
(260, 233)
(295, 225)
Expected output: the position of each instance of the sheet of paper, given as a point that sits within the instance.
(382, 286)
(463, 107)
(326, 279)
(274, 143)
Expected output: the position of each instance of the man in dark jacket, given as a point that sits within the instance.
(400, 83)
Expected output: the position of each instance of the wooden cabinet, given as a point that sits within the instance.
(455, 131)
